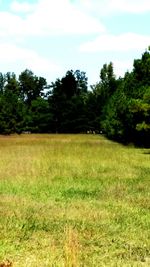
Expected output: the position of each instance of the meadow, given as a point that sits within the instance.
(72, 201)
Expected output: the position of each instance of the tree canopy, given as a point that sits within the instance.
(118, 107)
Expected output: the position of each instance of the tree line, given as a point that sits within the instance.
(118, 107)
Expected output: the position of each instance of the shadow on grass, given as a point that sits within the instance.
(80, 194)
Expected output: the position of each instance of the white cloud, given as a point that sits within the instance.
(10, 24)
(18, 59)
(22, 7)
(122, 66)
(117, 43)
(49, 17)
(46, 18)
(62, 17)
(131, 6)
(113, 7)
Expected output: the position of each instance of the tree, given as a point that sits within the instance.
(66, 101)
(82, 82)
(100, 95)
(2, 82)
(117, 118)
(11, 107)
(31, 86)
(127, 112)
(40, 116)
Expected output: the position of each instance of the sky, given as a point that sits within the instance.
(51, 37)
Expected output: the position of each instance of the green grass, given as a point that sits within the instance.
(73, 200)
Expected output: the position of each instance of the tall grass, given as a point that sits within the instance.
(73, 200)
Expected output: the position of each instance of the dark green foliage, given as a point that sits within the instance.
(127, 112)
(11, 106)
(41, 116)
(100, 96)
(120, 108)
(31, 86)
(16, 99)
(67, 103)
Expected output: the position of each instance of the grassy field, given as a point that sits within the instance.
(73, 200)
